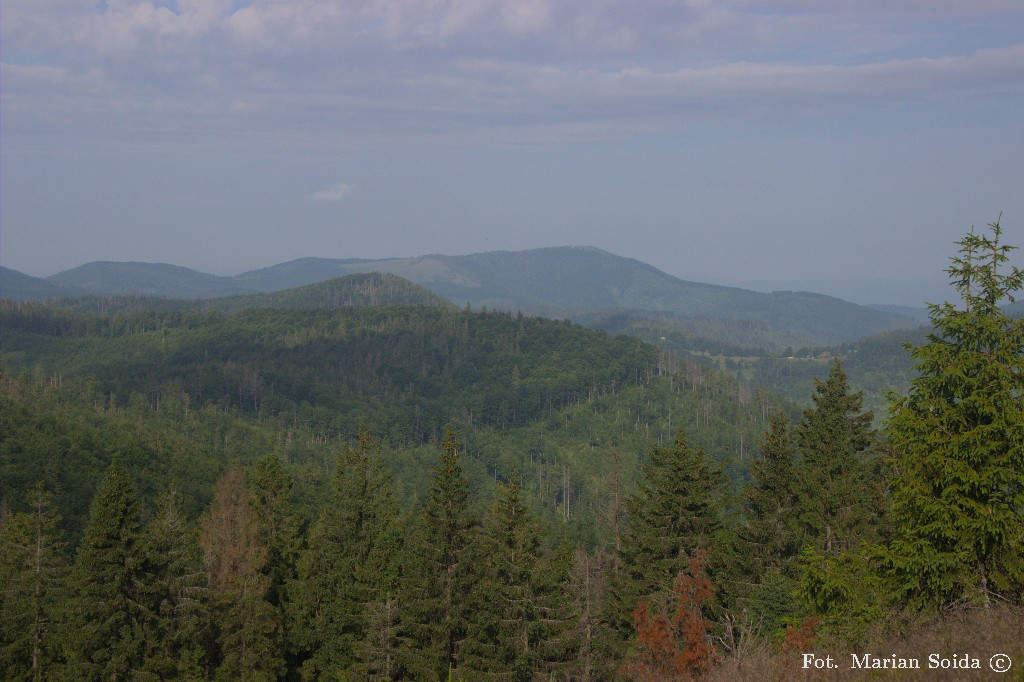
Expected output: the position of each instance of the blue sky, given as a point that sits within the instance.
(841, 146)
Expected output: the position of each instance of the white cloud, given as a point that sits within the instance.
(388, 69)
(335, 193)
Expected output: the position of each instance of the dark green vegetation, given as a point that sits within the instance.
(373, 490)
(578, 283)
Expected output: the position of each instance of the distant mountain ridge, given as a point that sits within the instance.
(21, 287)
(112, 278)
(569, 282)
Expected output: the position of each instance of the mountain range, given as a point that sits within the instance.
(580, 283)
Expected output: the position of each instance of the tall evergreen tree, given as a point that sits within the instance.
(179, 634)
(250, 636)
(280, 523)
(347, 577)
(111, 611)
(674, 512)
(840, 488)
(839, 508)
(957, 441)
(520, 614)
(435, 613)
(33, 571)
(767, 545)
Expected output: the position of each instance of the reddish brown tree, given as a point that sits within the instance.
(676, 648)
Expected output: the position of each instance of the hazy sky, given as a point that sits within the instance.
(772, 142)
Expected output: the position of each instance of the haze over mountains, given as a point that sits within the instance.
(568, 282)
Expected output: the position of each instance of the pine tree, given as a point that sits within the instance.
(180, 631)
(250, 636)
(33, 571)
(347, 577)
(957, 441)
(111, 612)
(435, 613)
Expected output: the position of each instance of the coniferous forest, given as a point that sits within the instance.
(399, 489)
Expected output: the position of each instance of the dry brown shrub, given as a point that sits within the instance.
(980, 633)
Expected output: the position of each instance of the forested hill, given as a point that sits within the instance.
(365, 289)
(544, 399)
(565, 282)
(105, 278)
(18, 286)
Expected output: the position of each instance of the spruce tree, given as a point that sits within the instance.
(347, 576)
(839, 508)
(280, 523)
(250, 639)
(111, 611)
(179, 634)
(33, 571)
(520, 613)
(674, 512)
(839, 486)
(767, 544)
(434, 614)
(956, 440)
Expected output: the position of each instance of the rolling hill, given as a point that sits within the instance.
(107, 278)
(563, 282)
(18, 286)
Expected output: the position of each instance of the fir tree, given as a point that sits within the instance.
(280, 523)
(957, 441)
(768, 543)
(839, 486)
(32, 575)
(839, 509)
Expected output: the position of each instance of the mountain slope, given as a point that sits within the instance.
(360, 290)
(567, 282)
(106, 278)
(18, 286)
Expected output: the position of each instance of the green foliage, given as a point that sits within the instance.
(519, 614)
(436, 613)
(811, 515)
(838, 486)
(33, 588)
(280, 523)
(768, 541)
(674, 513)
(178, 636)
(956, 440)
(347, 576)
(111, 610)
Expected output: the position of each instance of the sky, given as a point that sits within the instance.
(840, 146)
